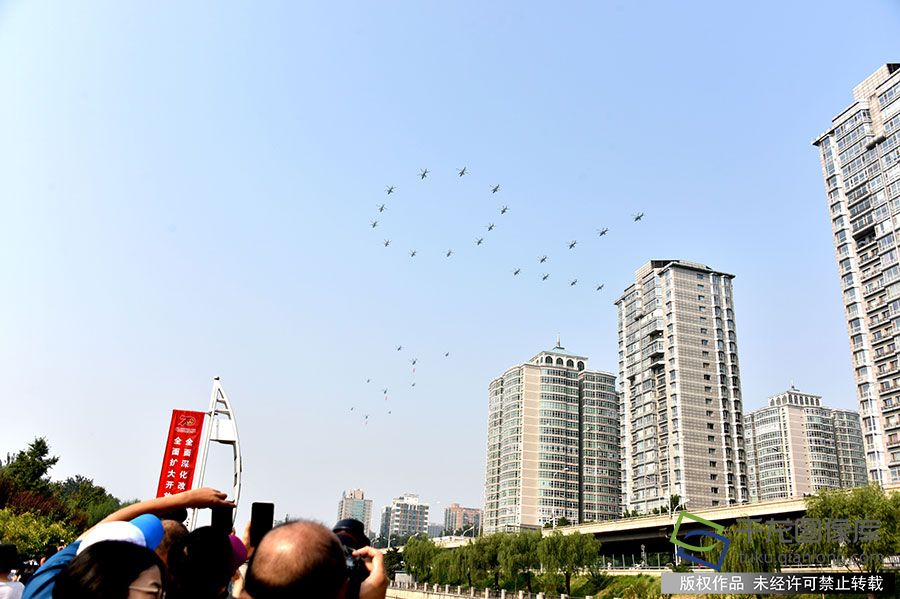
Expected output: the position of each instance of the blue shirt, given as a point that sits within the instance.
(41, 584)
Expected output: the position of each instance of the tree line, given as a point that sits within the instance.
(522, 560)
(37, 514)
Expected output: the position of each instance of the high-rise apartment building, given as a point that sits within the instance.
(860, 156)
(353, 504)
(406, 515)
(795, 446)
(456, 518)
(680, 389)
(553, 444)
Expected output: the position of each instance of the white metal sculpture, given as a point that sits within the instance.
(220, 427)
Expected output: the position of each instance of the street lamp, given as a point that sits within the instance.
(472, 528)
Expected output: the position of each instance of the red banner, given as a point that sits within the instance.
(180, 458)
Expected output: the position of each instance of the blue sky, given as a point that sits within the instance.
(186, 192)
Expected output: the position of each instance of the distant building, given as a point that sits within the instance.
(405, 516)
(385, 527)
(435, 530)
(353, 504)
(456, 518)
(553, 444)
(796, 446)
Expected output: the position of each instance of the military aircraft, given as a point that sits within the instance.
(447, 355)
(374, 223)
(600, 286)
(542, 259)
(382, 207)
(412, 253)
(387, 242)
(449, 253)
(414, 360)
(490, 227)
(368, 380)
(572, 244)
(603, 231)
(462, 171)
(638, 216)
(384, 390)
(573, 282)
(495, 189)
(389, 189)
(479, 241)
(545, 277)
(399, 347)
(423, 173)
(503, 210)
(516, 272)
(413, 384)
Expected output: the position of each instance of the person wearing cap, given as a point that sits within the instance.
(136, 523)
(9, 561)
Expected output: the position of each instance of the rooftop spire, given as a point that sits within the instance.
(558, 344)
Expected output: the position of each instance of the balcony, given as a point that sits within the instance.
(654, 327)
(863, 224)
(653, 349)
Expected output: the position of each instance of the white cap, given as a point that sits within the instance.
(113, 531)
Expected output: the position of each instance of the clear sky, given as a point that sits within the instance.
(186, 191)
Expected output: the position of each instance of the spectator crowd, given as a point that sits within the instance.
(144, 551)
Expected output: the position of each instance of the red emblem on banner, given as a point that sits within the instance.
(177, 473)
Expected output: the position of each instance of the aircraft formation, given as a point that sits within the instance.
(479, 241)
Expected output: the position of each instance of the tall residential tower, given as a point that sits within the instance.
(860, 156)
(553, 444)
(680, 389)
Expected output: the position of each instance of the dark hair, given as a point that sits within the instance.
(200, 565)
(105, 570)
(9, 557)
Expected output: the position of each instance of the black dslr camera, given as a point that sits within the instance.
(353, 536)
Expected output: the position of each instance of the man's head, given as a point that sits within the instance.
(173, 531)
(299, 559)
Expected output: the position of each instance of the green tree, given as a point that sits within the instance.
(485, 556)
(393, 561)
(518, 554)
(81, 495)
(28, 470)
(418, 554)
(753, 549)
(567, 554)
(872, 525)
(34, 534)
(442, 567)
(461, 563)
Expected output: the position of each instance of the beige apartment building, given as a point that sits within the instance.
(796, 446)
(680, 389)
(553, 444)
(860, 156)
(407, 515)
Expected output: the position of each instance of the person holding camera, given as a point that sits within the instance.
(304, 559)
